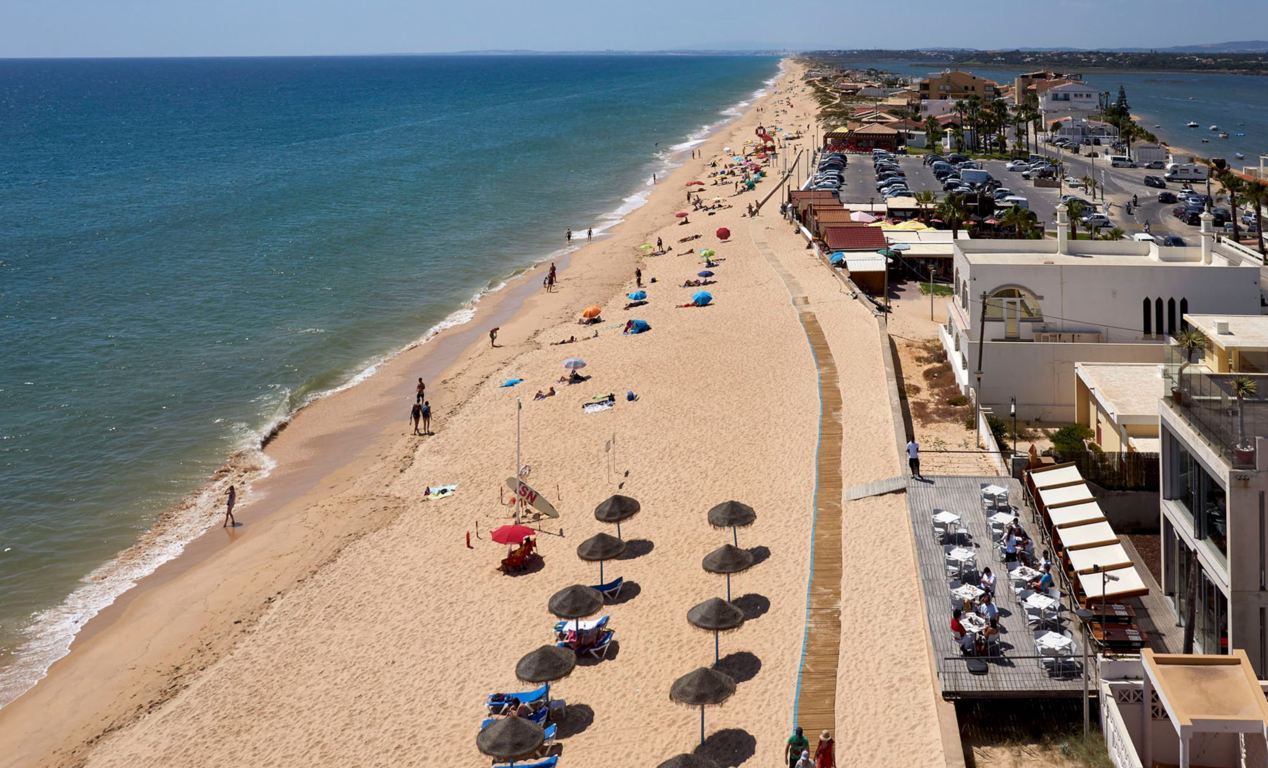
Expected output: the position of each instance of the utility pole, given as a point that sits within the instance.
(977, 396)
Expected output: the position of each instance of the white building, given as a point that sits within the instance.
(1025, 311)
(1083, 130)
(1069, 98)
(1214, 487)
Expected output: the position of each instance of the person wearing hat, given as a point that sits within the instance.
(797, 743)
(825, 753)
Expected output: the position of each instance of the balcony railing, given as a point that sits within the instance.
(1207, 401)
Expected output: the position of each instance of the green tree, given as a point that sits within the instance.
(1243, 387)
(1021, 220)
(934, 131)
(1233, 186)
(925, 198)
(1257, 195)
(1075, 209)
(1068, 441)
(952, 211)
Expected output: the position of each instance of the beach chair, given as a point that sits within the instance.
(600, 649)
(611, 590)
(496, 703)
(549, 762)
(586, 628)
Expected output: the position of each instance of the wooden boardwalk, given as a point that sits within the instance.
(815, 707)
(1018, 673)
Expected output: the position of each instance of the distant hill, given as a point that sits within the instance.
(1240, 46)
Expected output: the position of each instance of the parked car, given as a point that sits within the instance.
(1157, 182)
(1173, 241)
(1156, 165)
(1002, 193)
(1167, 197)
(1095, 220)
(1067, 199)
(952, 182)
(1016, 165)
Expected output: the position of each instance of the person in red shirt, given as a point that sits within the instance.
(963, 638)
(825, 753)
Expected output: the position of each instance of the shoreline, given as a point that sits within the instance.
(177, 528)
(307, 452)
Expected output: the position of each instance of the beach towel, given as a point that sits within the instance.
(596, 407)
(511, 382)
(439, 491)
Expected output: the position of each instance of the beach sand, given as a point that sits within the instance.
(348, 623)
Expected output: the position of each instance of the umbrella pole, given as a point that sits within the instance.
(601, 572)
(716, 652)
(618, 529)
(702, 725)
(735, 534)
(728, 587)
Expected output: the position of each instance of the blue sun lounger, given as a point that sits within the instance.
(550, 731)
(598, 625)
(531, 698)
(549, 762)
(612, 589)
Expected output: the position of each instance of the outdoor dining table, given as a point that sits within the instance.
(1024, 573)
(1113, 613)
(1003, 518)
(1119, 638)
(946, 518)
(1041, 602)
(1055, 644)
(972, 622)
(966, 592)
(963, 556)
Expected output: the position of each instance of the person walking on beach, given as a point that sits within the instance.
(416, 413)
(660, 245)
(797, 743)
(638, 277)
(422, 390)
(493, 337)
(233, 499)
(551, 275)
(590, 234)
(913, 458)
(825, 753)
(426, 417)
(568, 236)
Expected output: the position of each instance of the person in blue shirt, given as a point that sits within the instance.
(1043, 582)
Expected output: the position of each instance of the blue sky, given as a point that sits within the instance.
(296, 27)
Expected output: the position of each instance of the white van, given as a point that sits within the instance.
(1144, 237)
(1185, 172)
(1121, 161)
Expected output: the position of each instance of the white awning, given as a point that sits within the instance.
(1075, 514)
(1054, 476)
(1108, 558)
(1084, 536)
(1128, 584)
(1065, 494)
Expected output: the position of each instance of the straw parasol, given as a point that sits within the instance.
(702, 688)
(715, 615)
(688, 761)
(728, 559)
(511, 738)
(600, 547)
(546, 664)
(575, 602)
(733, 515)
(615, 509)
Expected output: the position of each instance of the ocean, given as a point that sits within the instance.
(192, 249)
(1165, 102)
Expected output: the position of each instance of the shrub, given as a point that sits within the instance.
(1069, 440)
(957, 400)
(999, 429)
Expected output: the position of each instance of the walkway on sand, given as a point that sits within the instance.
(815, 708)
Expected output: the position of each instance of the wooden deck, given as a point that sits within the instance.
(1018, 673)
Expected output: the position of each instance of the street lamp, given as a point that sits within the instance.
(1012, 411)
(1084, 616)
(1105, 577)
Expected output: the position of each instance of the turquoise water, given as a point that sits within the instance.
(1169, 100)
(192, 249)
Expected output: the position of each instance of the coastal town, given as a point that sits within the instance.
(907, 421)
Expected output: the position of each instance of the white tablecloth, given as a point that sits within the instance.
(946, 518)
(962, 555)
(994, 490)
(1024, 573)
(1003, 518)
(1053, 642)
(1040, 602)
(966, 592)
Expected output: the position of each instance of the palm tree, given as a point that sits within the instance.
(973, 113)
(1243, 387)
(1020, 220)
(1113, 234)
(1089, 184)
(1234, 186)
(1188, 342)
(998, 109)
(925, 198)
(1076, 209)
(934, 131)
(952, 211)
(1257, 195)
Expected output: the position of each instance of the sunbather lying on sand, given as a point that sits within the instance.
(688, 238)
(569, 340)
(573, 378)
(634, 304)
(697, 283)
(543, 395)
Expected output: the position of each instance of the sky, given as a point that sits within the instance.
(77, 28)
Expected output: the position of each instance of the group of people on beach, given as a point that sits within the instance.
(797, 751)
(421, 409)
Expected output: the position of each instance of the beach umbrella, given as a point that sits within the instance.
(702, 688)
(733, 515)
(512, 534)
(728, 559)
(686, 760)
(637, 296)
(701, 298)
(546, 664)
(574, 363)
(863, 217)
(575, 602)
(705, 273)
(900, 247)
(637, 326)
(837, 258)
(708, 252)
(646, 247)
(600, 547)
(696, 183)
(682, 214)
(616, 509)
(723, 233)
(715, 615)
(511, 738)
(590, 313)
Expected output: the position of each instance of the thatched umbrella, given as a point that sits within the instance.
(546, 664)
(615, 509)
(600, 547)
(511, 738)
(733, 515)
(688, 761)
(728, 559)
(576, 602)
(715, 615)
(701, 688)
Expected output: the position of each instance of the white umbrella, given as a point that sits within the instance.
(574, 363)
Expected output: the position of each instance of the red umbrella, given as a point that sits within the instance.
(723, 233)
(512, 534)
(682, 214)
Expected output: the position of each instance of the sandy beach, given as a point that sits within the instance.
(349, 623)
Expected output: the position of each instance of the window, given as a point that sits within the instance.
(1147, 324)
(1171, 316)
(1192, 487)
(1158, 315)
(1028, 302)
(1184, 310)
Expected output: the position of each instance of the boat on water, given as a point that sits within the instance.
(1223, 134)
(1192, 124)
(1214, 128)
(1239, 155)
(1241, 133)
(1157, 126)
(1206, 141)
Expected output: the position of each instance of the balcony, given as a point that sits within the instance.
(1207, 402)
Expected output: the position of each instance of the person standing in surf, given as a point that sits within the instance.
(233, 499)
(568, 236)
